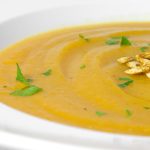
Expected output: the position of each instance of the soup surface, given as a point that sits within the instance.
(72, 76)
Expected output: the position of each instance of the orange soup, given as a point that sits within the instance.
(77, 76)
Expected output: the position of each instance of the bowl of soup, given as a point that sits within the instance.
(77, 76)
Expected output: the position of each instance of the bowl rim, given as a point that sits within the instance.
(75, 135)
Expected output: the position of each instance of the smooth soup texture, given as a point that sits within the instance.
(81, 88)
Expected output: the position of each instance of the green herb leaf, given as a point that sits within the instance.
(113, 41)
(144, 48)
(20, 77)
(30, 80)
(83, 66)
(124, 79)
(127, 82)
(100, 113)
(28, 91)
(84, 38)
(125, 41)
(146, 107)
(48, 72)
(128, 113)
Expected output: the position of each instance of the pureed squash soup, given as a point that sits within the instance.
(88, 76)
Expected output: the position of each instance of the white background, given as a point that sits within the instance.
(11, 8)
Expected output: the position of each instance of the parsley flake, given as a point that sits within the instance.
(20, 77)
(100, 113)
(83, 66)
(127, 81)
(48, 72)
(144, 48)
(27, 91)
(124, 79)
(125, 41)
(113, 41)
(128, 113)
(30, 80)
(84, 38)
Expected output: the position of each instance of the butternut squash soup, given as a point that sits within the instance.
(95, 77)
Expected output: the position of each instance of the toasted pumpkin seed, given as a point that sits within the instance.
(132, 71)
(133, 64)
(145, 55)
(124, 60)
(148, 74)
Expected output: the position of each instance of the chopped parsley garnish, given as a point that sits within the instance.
(125, 41)
(100, 113)
(20, 77)
(113, 41)
(144, 48)
(128, 113)
(83, 66)
(48, 72)
(124, 79)
(116, 40)
(30, 80)
(126, 82)
(27, 91)
(146, 107)
(84, 38)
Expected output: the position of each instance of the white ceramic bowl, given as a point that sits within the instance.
(15, 122)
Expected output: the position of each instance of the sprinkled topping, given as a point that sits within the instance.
(128, 113)
(83, 66)
(100, 113)
(126, 81)
(84, 38)
(138, 64)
